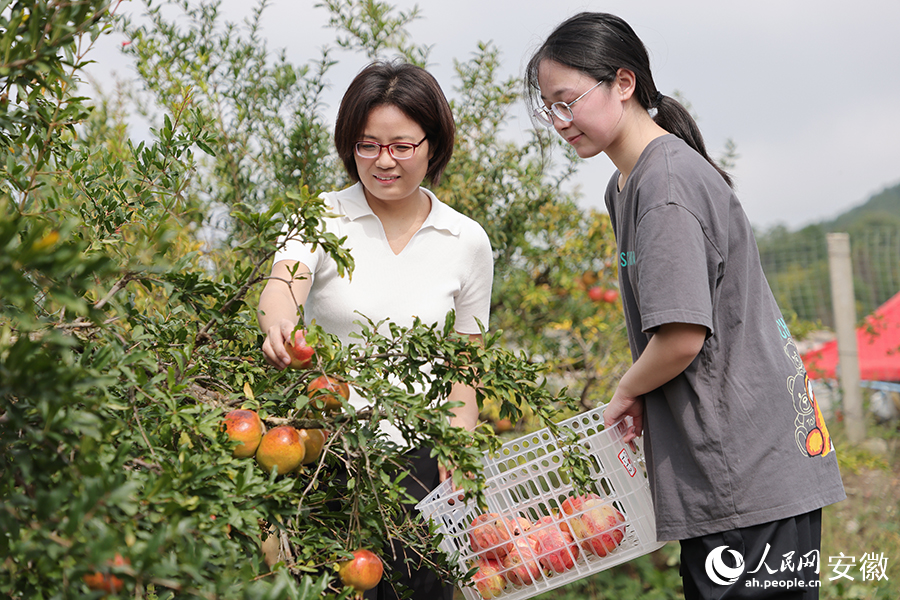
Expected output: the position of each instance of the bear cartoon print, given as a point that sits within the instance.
(811, 433)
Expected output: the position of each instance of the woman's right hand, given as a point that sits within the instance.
(622, 405)
(273, 348)
(288, 287)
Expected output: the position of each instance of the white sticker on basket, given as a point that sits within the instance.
(626, 462)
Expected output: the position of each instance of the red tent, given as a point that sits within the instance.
(878, 345)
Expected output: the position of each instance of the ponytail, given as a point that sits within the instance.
(674, 118)
(599, 44)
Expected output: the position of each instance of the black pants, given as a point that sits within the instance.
(777, 561)
(423, 582)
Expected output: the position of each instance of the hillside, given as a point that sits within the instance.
(796, 262)
(882, 208)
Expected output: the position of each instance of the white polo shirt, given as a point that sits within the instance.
(447, 264)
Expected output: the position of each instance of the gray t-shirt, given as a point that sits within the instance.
(737, 439)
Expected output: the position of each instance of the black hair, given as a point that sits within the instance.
(599, 44)
(410, 88)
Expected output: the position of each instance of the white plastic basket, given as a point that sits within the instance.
(527, 478)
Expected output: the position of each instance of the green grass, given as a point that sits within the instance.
(868, 521)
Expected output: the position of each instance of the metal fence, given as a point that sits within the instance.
(796, 266)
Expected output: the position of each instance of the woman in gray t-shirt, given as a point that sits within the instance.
(739, 457)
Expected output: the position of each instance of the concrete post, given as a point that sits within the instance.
(844, 304)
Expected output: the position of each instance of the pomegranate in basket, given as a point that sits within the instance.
(595, 523)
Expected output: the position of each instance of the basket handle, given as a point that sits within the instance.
(624, 426)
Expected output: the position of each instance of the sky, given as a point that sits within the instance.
(808, 90)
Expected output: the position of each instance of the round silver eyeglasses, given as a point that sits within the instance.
(560, 110)
(399, 150)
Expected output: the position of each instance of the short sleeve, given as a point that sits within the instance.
(473, 302)
(676, 269)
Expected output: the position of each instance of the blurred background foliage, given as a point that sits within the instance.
(130, 271)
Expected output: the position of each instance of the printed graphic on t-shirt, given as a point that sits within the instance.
(811, 433)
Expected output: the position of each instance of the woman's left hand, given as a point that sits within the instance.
(444, 473)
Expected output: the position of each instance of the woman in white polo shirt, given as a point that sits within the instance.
(414, 255)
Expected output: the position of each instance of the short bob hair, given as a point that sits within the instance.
(414, 91)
